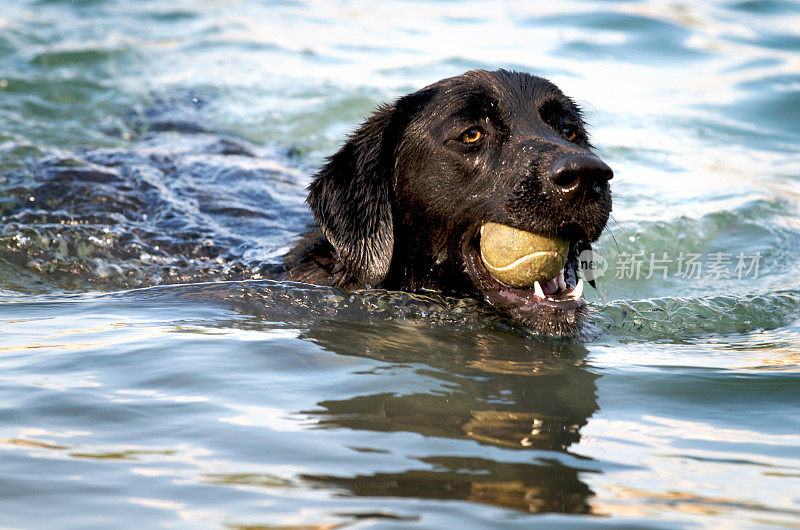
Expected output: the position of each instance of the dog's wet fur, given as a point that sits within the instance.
(401, 204)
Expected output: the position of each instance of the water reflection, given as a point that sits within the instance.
(529, 487)
(502, 390)
(509, 406)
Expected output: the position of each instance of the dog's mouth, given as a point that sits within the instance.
(551, 305)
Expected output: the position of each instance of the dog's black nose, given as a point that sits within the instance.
(581, 177)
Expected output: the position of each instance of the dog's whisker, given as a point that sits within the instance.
(610, 233)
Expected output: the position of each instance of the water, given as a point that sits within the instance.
(153, 375)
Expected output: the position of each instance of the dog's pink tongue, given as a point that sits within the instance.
(550, 286)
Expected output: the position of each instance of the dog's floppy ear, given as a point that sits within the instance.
(352, 195)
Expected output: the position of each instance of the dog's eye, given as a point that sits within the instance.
(568, 131)
(471, 136)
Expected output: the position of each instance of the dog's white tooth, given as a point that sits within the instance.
(537, 290)
(561, 283)
(577, 292)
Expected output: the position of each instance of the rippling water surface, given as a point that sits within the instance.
(151, 374)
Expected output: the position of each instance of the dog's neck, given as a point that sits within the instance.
(425, 265)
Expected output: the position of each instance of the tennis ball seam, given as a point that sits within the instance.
(520, 261)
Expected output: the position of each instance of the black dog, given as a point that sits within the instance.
(401, 204)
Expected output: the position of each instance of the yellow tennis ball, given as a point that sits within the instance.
(519, 258)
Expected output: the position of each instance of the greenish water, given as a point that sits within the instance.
(150, 376)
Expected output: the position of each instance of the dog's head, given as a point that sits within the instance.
(404, 200)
